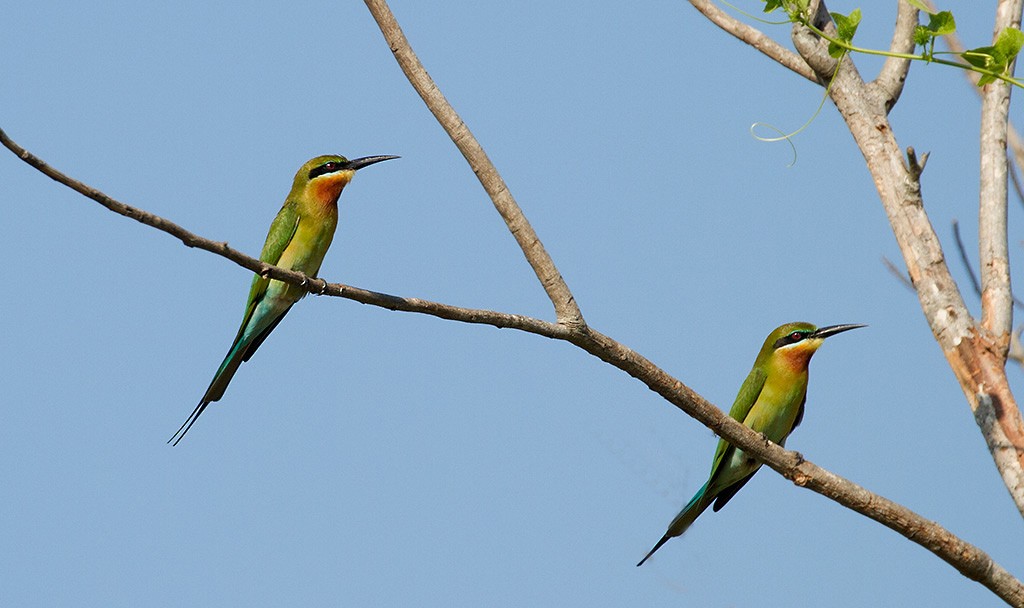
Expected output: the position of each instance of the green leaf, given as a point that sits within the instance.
(941, 24)
(771, 5)
(982, 57)
(846, 27)
(998, 57)
(920, 5)
(1008, 44)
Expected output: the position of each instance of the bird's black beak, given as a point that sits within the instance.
(366, 161)
(831, 330)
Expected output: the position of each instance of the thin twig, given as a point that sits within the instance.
(1015, 167)
(1017, 303)
(896, 272)
(964, 259)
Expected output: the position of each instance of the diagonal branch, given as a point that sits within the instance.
(755, 38)
(566, 309)
(965, 557)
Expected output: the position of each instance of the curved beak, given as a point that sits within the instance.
(831, 330)
(358, 163)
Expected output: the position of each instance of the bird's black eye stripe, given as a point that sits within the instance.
(328, 167)
(791, 338)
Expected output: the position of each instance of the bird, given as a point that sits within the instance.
(771, 402)
(298, 240)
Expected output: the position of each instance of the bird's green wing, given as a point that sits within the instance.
(282, 230)
(745, 400)
(799, 418)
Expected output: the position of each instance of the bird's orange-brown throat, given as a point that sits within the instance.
(798, 357)
(327, 189)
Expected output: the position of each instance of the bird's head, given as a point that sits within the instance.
(324, 177)
(793, 344)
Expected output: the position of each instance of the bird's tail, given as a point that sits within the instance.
(684, 519)
(215, 391)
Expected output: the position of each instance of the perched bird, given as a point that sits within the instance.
(771, 401)
(298, 239)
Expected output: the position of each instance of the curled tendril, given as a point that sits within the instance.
(788, 137)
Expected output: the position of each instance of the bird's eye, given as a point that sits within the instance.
(329, 167)
(796, 336)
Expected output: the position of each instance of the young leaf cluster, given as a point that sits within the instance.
(939, 24)
(990, 62)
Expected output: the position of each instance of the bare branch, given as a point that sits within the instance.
(755, 38)
(566, 308)
(894, 71)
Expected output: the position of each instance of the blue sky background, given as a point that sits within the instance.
(372, 458)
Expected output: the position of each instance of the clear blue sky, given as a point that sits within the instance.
(371, 458)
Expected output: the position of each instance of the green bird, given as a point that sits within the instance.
(298, 239)
(771, 401)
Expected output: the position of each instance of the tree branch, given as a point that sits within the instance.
(566, 309)
(996, 297)
(755, 38)
(894, 71)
